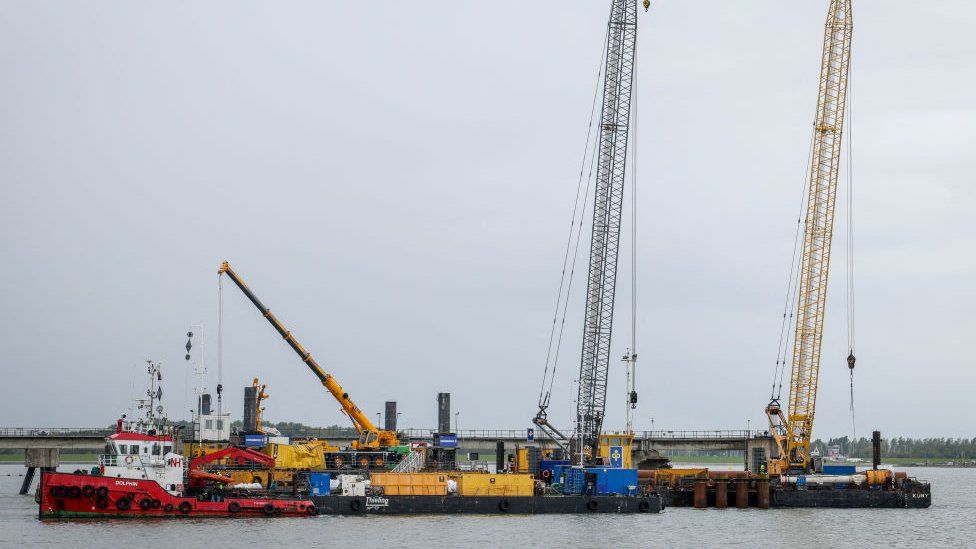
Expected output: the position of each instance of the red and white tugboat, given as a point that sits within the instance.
(141, 476)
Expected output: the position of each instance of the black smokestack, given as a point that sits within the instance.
(390, 416)
(876, 449)
(250, 418)
(443, 413)
(499, 456)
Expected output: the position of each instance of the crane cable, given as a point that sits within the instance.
(851, 359)
(633, 237)
(220, 335)
(575, 225)
(792, 287)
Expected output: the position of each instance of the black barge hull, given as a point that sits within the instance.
(485, 505)
(852, 499)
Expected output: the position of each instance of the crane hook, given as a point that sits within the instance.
(647, 4)
(850, 361)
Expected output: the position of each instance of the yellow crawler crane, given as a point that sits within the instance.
(370, 437)
(793, 431)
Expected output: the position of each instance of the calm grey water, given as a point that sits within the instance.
(951, 522)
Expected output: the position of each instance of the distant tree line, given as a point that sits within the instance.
(900, 447)
(296, 429)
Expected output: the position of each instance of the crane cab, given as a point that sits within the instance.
(614, 449)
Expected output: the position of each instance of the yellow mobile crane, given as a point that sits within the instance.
(792, 431)
(370, 437)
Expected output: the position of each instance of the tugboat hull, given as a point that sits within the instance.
(73, 495)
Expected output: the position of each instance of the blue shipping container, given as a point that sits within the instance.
(319, 484)
(839, 469)
(611, 481)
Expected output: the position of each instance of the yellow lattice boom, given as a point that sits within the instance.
(817, 234)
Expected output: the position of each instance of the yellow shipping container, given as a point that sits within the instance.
(296, 456)
(484, 484)
(410, 484)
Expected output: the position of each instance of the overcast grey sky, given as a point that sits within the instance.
(395, 180)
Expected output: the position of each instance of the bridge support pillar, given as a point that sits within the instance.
(47, 459)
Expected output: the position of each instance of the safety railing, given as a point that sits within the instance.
(406, 434)
(55, 431)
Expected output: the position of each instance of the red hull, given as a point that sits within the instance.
(80, 495)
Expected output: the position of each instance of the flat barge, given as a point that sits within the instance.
(485, 505)
(741, 490)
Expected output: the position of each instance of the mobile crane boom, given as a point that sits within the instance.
(369, 435)
(793, 431)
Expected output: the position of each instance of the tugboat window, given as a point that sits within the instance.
(123, 448)
(134, 449)
(155, 450)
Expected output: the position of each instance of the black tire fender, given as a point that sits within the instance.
(185, 507)
(311, 511)
(356, 505)
(504, 505)
(145, 504)
(168, 508)
(101, 492)
(643, 506)
(233, 507)
(268, 509)
(101, 503)
(88, 491)
(123, 504)
(592, 505)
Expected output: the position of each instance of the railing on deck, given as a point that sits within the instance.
(55, 431)
(405, 434)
